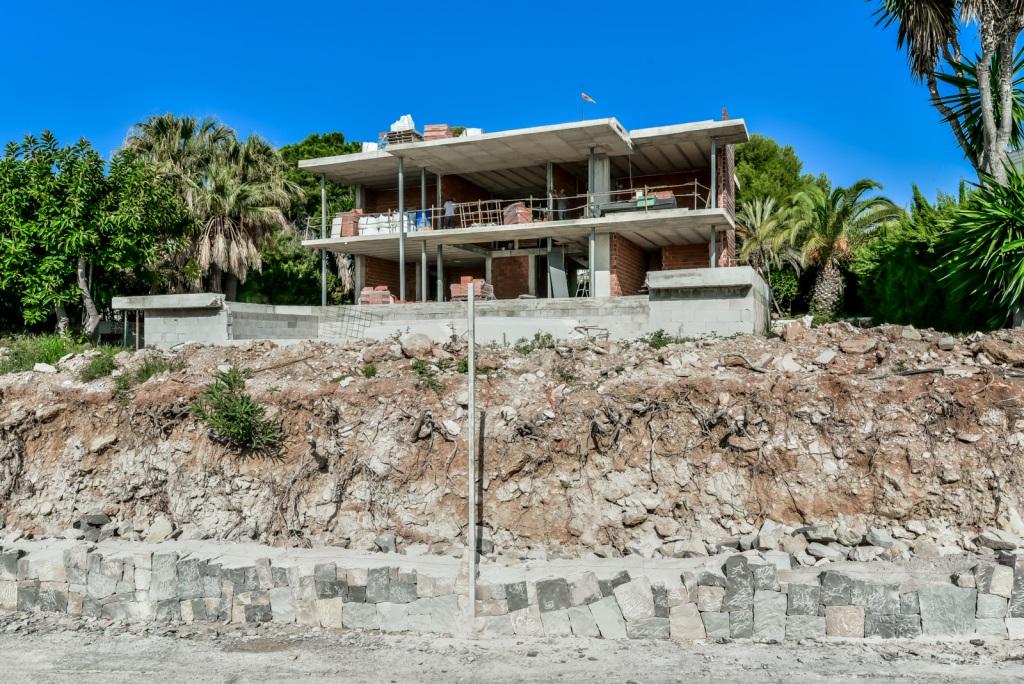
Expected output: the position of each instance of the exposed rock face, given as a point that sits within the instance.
(610, 450)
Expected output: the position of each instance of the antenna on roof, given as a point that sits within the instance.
(725, 114)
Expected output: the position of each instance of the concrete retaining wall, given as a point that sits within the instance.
(741, 596)
(684, 303)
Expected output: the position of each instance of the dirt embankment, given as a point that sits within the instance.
(614, 450)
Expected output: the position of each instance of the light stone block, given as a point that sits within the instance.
(609, 618)
(582, 621)
(556, 623)
(844, 621)
(527, 622)
(685, 622)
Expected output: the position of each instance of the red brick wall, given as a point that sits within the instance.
(684, 256)
(628, 267)
(684, 195)
(511, 276)
(379, 201)
(384, 272)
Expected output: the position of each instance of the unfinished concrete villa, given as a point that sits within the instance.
(573, 228)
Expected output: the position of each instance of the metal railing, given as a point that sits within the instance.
(497, 212)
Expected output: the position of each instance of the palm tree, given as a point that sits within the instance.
(761, 224)
(930, 30)
(828, 225)
(235, 191)
(240, 199)
(179, 148)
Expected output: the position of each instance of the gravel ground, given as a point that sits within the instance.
(66, 650)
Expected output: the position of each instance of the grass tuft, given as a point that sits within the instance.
(234, 419)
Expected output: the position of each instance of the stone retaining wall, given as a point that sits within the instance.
(753, 595)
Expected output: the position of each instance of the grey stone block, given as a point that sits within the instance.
(517, 596)
(584, 589)
(53, 600)
(994, 628)
(649, 628)
(983, 572)
(279, 576)
(909, 604)
(769, 615)
(402, 588)
(836, 589)
(1015, 609)
(709, 598)
(264, 574)
(741, 624)
(438, 615)
(553, 594)
(378, 584)
(360, 616)
(326, 583)
(168, 611)
(686, 623)
(947, 610)
(242, 579)
(495, 626)
(804, 599)
(877, 599)
(582, 621)
(805, 627)
(660, 594)
(609, 618)
(526, 621)
(739, 585)
(635, 599)
(258, 613)
(355, 594)
(880, 626)
(556, 622)
(991, 606)
(392, 616)
(9, 564)
(766, 577)
(716, 625)
(190, 580)
(908, 626)
(282, 604)
(101, 586)
(707, 578)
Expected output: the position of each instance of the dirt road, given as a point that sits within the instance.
(84, 654)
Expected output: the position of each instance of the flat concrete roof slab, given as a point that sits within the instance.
(202, 300)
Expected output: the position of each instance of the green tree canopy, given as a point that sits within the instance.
(766, 170)
(68, 228)
(339, 198)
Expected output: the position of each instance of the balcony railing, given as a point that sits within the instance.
(494, 212)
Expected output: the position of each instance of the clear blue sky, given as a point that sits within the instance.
(816, 74)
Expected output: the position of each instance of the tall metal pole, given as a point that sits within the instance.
(401, 228)
(471, 466)
(323, 236)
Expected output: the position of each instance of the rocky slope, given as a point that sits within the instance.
(587, 447)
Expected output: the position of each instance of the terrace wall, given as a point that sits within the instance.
(628, 267)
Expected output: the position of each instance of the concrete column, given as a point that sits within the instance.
(323, 234)
(592, 260)
(601, 272)
(713, 247)
(551, 192)
(713, 194)
(423, 195)
(359, 277)
(401, 228)
(600, 181)
(531, 275)
(359, 196)
(488, 262)
(440, 273)
(424, 289)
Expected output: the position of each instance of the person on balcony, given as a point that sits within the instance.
(561, 203)
(449, 213)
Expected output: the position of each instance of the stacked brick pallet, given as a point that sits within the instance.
(436, 131)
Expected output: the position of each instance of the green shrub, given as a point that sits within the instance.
(369, 371)
(234, 419)
(659, 339)
(539, 341)
(462, 366)
(427, 375)
(785, 286)
(151, 366)
(99, 366)
(28, 350)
